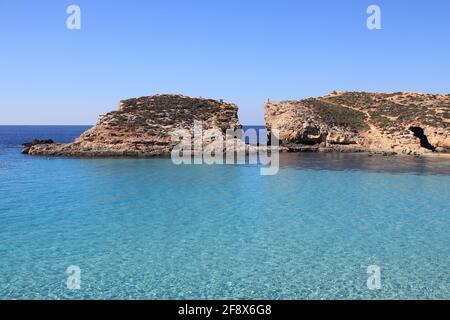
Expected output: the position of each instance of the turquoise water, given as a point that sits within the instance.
(147, 229)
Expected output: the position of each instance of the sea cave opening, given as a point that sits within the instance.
(424, 143)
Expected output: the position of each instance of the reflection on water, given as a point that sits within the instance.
(344, 162)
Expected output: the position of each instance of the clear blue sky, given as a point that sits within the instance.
(240, 51)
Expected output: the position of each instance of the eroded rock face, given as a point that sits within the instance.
(372, 121)
(143, 127)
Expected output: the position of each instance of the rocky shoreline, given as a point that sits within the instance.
(350, 122)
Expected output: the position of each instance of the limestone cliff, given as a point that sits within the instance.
(143, 127)
(408, 123)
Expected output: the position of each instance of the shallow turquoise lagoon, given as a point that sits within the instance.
(147, 229)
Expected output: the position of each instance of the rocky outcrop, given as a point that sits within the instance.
(407, 123)
(27, 145)
(142, 127)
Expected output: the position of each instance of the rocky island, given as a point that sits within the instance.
(394, 123)
(142, 127)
